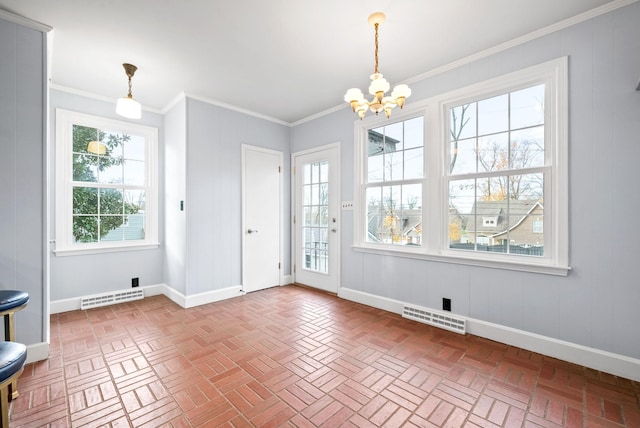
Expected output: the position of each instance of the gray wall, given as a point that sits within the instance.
(598, 303)
(22, 173)
(81, 275)
(175, 177)
(214, 191)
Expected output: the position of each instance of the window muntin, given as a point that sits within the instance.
(395, 167)
(511, 149)
(105, 184)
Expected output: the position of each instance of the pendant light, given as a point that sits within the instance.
(127, 106)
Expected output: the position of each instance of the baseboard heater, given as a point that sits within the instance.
(435, 318)
(112, 298)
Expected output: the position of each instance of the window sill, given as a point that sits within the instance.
(103, 250)
(541, 266)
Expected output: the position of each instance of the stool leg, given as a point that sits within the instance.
(7, 327)
(4, 408)
(10, 335)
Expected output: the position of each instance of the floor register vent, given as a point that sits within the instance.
(105, 299)
(434, 318)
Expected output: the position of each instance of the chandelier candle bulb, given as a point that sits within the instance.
(378, 87)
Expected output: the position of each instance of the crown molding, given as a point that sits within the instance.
(234, 108)
(18, 19)
(95, 96)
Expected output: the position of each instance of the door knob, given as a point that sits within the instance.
(252, 231)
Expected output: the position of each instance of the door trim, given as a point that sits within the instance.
(294, 155)
(281, 255)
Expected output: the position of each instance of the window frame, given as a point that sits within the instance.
(64, 183)
(435, 245)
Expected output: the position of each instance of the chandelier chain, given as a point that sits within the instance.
(376, 51)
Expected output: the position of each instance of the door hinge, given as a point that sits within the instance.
(294, 268)
(278, 265)
(279, 170)
(294, 219)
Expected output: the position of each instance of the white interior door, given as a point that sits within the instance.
(317, 220)
(261, 218)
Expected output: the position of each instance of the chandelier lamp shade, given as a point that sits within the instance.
(127, 106)
(379, 85)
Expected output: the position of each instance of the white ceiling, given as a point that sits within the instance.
(285, 59)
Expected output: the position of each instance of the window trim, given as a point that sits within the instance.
(554, 74)
(64, 245)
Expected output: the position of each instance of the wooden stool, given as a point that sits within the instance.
(12, 358)
(11, 301)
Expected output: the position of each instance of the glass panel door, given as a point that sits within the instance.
(316, 202)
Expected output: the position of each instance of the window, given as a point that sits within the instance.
(490, 163)
(537, 226)
(106, 184)
(395, 168)
(497, 171)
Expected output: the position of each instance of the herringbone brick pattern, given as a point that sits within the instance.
(290, 356)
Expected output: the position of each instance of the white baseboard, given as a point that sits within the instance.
(73, 304)
(200, 298)
(66, 305)
(597, 359)
(37, 352)
(286, 280)
(212, 296)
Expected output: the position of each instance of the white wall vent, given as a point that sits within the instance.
(438, 319)
(112, 298)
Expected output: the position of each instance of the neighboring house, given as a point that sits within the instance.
(131, 230)
(517, 222)
(400, 226)
(379, 143)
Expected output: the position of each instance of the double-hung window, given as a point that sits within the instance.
(393, 189)
(106, 184)
(475, 176)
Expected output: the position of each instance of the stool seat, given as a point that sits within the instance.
(10, 299)
(12, 358)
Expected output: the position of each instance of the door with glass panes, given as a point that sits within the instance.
(317, 224)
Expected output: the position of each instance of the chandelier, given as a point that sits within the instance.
(127, 106)
(378, 87)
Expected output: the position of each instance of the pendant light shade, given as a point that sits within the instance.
(127, 106)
